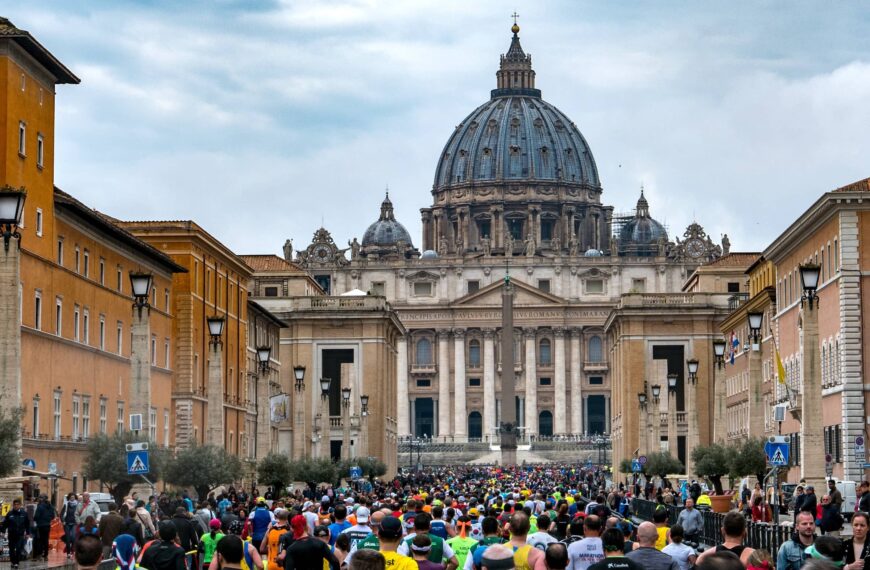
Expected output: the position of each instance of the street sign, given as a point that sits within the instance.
(52, 468)
(777, 453)
(860, 450)
(355, 472)
(829, 464)
(137, 462)
(636, 467)
(642, 460)
(137, 446)
(29, 463)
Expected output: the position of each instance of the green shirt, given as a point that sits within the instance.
(371, 542)
(209, 545)
(462, 547)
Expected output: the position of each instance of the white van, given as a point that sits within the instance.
(850, 497)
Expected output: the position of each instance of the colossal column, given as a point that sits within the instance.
(443, 383)
(460, 416)
(576, 389)
(531, 382)
(402, 387)
(559, 382)
(488, 382)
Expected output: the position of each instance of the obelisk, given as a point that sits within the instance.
(508, 427)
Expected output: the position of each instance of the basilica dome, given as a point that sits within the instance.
(516, 135)
(641, 234)
(387, 231)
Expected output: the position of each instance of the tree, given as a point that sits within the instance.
(748, 458)
(10, 432)
(276, 470)
(106, 461)
(203, 467)
(662, 464)
(713, 462)
(625, 466)
(315, 471)
(372, 467)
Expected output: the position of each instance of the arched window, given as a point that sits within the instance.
(545, 423)
(424, 351)
(595, 349)
(546, 357)
(474, 353)
(475, 425)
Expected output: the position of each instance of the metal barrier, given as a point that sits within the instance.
(758, 535)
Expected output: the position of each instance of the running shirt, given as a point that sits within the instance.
(273, 546)
(396, 561)
(438, 528)
(461, 547)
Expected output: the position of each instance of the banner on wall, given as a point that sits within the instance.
(279, 407)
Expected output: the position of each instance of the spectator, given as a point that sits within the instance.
(792, 553)
(164, 553)
(17, 528)
(87, 508)
(831, 520)
(111, 524)
(88, 552)
(684, 555)
(43, 518)
(858, 547)
(760, 559)
(68, 518)
(691, 520)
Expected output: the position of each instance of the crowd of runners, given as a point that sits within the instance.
(536, 517)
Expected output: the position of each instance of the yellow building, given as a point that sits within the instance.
(74, 290)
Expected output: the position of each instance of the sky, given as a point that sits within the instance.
(263, 120)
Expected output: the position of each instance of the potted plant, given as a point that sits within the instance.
(714, 462)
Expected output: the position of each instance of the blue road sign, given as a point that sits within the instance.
(777, 453)
(30, 463)
(636, 467)
(355, 473)
(137, 462)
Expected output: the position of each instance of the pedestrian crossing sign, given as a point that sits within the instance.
(137, 462)
(777, 453)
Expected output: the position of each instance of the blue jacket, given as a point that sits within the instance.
(16, 524)
(791, 555)
(260, 522)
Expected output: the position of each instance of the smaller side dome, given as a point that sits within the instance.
(387, 231)
(593, 253)
(641, 235)
(429, 254)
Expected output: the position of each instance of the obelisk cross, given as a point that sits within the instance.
(515, 16)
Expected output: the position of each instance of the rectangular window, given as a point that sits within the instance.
(474, 382)
(78, 260)
(594, 286)
(37, 311)
(77, 318)
(102, 332)
(36, 417)
(76, 416)
(596, 380)
(424, 382)
(473, 286)
(271, 291)
(165, 428)
(87, 262)
(154, 296)
(423, 289)
(120, 425)
(545, 381)
(86, 327)
(86, 417)
(57, 405)
(152, 424)
(58, 316)
(153, 350)
(104, 415)
(638, 285)
(166, 300)
(544, 285)
(60, 252)
(836, 256)
(39, 222)
(166, 353)
(102, 271)
(120, 285)
(120, 337)
(733, 287)
(22, 138)
(40, 151)
(378, 288)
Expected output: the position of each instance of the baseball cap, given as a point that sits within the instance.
(261, 500)
(362, 514)
(391, 527)
(348, 501)
(473, 511)
(307, 505)
(321, 531)
(324, 499)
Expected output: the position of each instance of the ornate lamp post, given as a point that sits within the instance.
(345, 422)
(364, 435)
(756, 398)
(692, 409)
(264, 424)
(11, 208)
(325, 426)
(672, 415)
(215, 381)
(656, 419)
(719, 424)
(812, 448)
(643, 425)
(298, 410)
(140, 356)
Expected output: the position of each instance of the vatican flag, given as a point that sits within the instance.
(780, 369)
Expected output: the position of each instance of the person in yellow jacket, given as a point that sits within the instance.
(704, 500)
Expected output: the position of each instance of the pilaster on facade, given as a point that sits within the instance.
(851, 342)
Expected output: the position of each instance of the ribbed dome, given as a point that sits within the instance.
(641, 234)
(386, 231)
(516, 138)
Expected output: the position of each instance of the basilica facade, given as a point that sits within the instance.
(516, 191)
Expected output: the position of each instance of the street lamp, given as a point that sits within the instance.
(264, 354)
(672, 382)
(641, 399)
(810, 282)
(345, 396)
(325, 427)
(692, 365)
(11, 208)
(719, 352)
(364, 401)
(140, 357)
(656, 392)
(324, 387)
(755, 319)
(364, 412)
(215, 328)
(140, 283)
(345, 422)
(299, 375)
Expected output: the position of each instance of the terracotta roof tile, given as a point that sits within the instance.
(736, 259)
(270, 263)
(859, 186)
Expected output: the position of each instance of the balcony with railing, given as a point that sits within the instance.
(737, 299)
(595, 366)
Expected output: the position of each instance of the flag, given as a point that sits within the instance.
(780, 369)
(735, 344)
